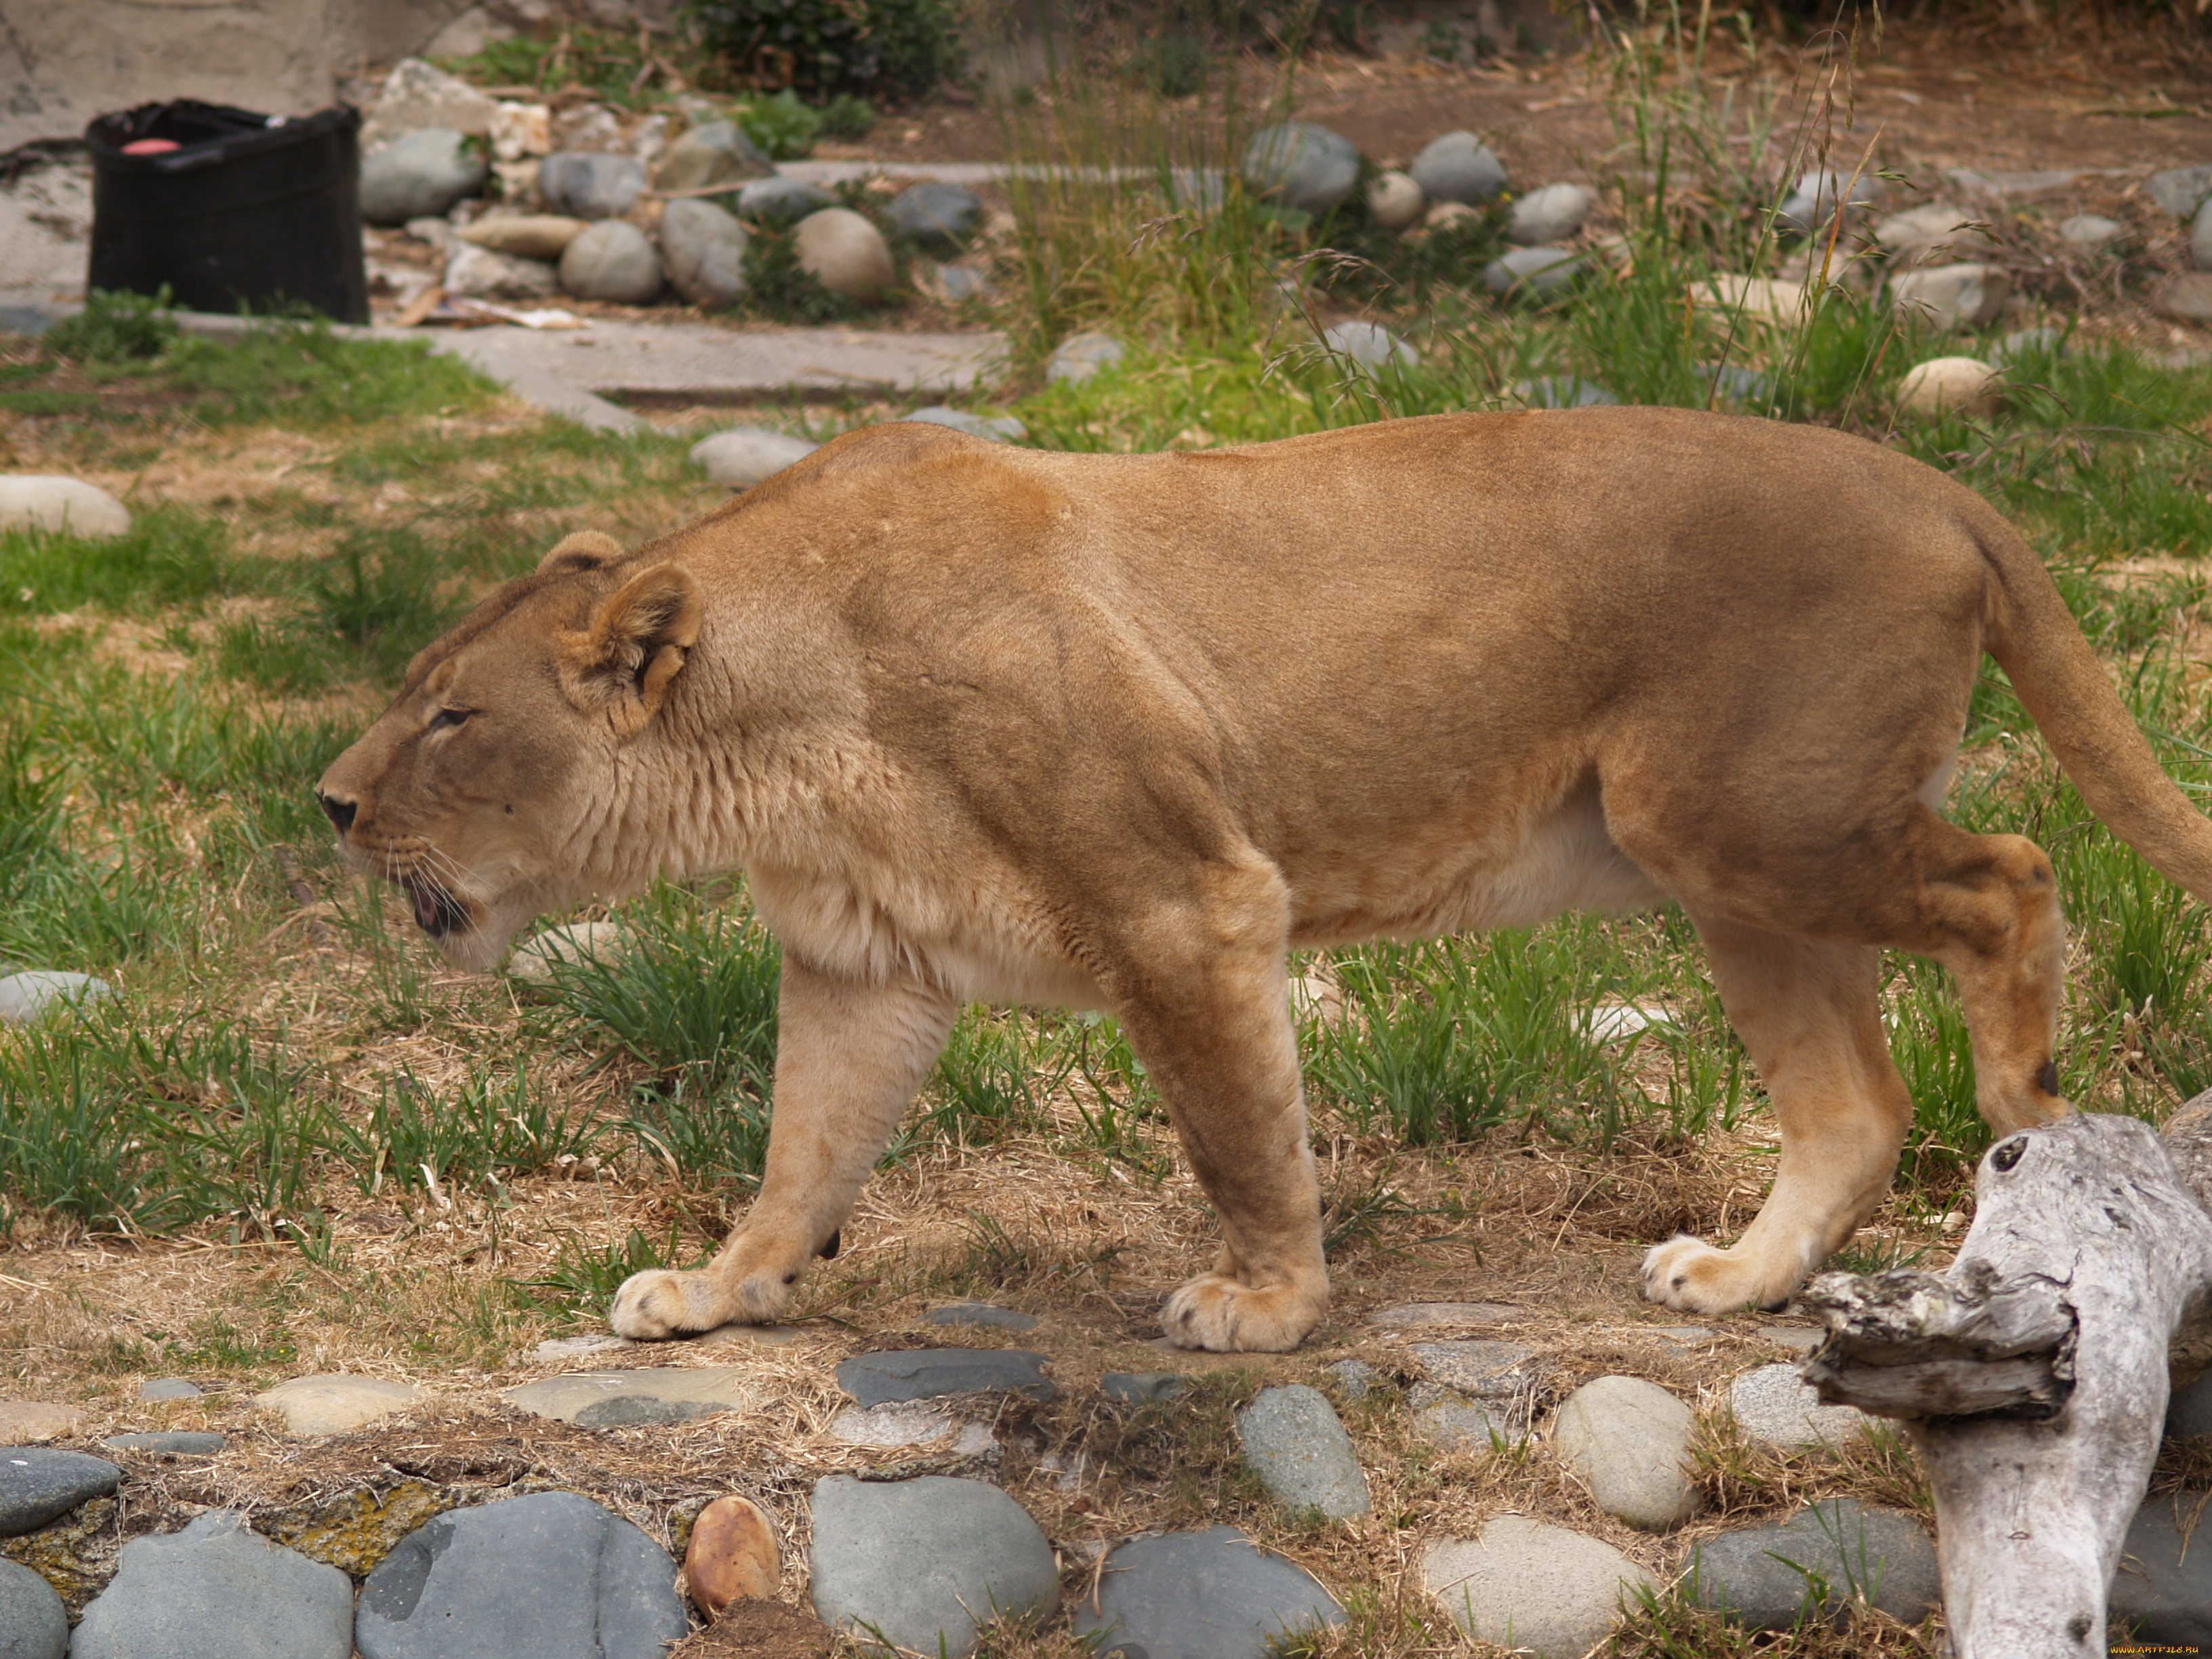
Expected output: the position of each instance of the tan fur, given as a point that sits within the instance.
(1121, 730)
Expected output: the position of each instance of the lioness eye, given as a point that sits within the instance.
(446, 718)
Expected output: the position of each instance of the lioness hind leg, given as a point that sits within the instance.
(848, 1059)
(1808, 1013)
(1209, 1016)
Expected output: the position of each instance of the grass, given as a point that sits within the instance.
(376, 1158)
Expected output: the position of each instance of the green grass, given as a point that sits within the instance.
(170, 556)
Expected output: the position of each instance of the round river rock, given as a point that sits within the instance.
(1211, 1594)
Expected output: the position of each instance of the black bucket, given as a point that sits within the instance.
(246, 212)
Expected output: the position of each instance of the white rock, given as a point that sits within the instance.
(519, 131)
(845, 254)
(418, 94)
(524, 235)
(1951, 385)
(31, 502)
(1536, 1588)
(1766, 298)
(905, 1423)
(1549, 215)
(1079, 356)
(704, 249)
(612, 260)
(1613, 1021)
(1775, 1405)
(336, 1404)
(1952, 296)
(2092, 230)
(1459, 168)
(1629, 1441)
(1442, 216)
(1369, 345)
(744, 455)
(534, 959)
(1396, 201)
(30, 996)
(477, 273)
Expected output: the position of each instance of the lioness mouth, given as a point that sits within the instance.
(437, 913)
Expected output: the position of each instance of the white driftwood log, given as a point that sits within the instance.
(2033, 1377)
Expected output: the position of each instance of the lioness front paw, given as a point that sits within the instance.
(1220, 1313)
(1691, 1275)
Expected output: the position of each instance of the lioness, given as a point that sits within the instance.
(1119, 732)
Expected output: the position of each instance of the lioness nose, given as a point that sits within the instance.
(341, 811)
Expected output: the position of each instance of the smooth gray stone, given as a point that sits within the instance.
(2189, 1411)
(218, 1591)
(2013, 185)
(167, 1388)
(1136, 1388)
(940, 217)
(996, 430)
(1812, 205)
(877, 1379)
(1561, 392)
(2200, 238)
(918, 1562)
(2181, 190)
(589, 185)
(1369, 345)
(630, 1411)
(1355, 1379)
(1766, 1577)
(2186, 296)
(420, 175)
(1524, 273)
(2163, 1590)
(1488, 1369)
(1211, 1594)
(744, 455)
(845, 252)
(180, 1443)
(37, 1483)
(779, 197)
(959, 282)
(1294, 1443)
(1452, 1422)
(1549, 215)
(552, 1575)
(1629, 1441)
(717, 153)
(612, 260)
(1458, 168)
(2092, 230)
(1079, 356)
(1777, 1406)
(1537, 1588)
(704, 249)
(971, 1313)
(24, 319)
(1301, 164)
(28, 996)
(33, 1623)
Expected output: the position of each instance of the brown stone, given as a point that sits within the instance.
(734, 1555)
(2186, 298)
(25, 1422)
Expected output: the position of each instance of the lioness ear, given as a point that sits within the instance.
(583, 550)
(621, 662)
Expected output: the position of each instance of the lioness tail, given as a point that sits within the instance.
(2063, 686)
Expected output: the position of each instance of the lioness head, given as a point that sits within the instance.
(488, 789)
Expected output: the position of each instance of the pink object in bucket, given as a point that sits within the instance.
(150, 146)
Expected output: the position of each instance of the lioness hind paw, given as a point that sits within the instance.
(1691, 1276)
(1217, 1312)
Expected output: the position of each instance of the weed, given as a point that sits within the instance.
(582, 1281)
(115, 327)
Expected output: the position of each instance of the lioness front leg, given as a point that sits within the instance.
(1210, 1020)
(848, 1059)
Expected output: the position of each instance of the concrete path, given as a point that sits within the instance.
(575, 372)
